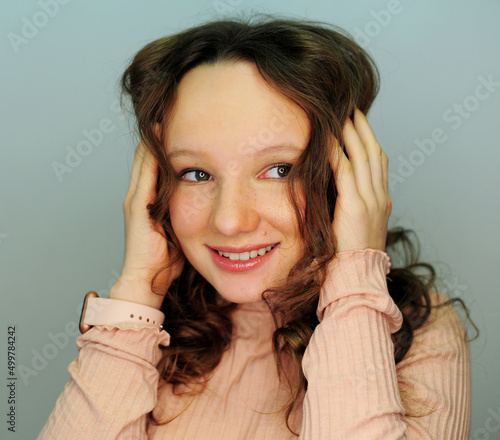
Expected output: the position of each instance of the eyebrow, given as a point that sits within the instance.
(256, 154)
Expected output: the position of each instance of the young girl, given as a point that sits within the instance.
(256, 299)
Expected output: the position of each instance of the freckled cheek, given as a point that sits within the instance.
(189, 211)
(286, 219)
(281, 200)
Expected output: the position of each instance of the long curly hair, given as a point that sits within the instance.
(320, 68)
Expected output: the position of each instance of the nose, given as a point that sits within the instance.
(235, 209)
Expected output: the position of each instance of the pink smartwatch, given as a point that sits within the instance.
(105, 311)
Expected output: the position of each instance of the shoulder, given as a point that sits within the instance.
(443, 335)
(434, 376)
(443, 318)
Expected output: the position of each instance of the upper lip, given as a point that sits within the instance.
(240, 249)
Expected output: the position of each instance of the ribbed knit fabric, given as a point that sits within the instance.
(354, 387)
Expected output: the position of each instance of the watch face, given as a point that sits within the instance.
(85, 327)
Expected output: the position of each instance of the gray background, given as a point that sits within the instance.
(61, 237)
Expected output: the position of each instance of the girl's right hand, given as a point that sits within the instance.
(146, 246)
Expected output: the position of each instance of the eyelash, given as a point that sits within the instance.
(183, 173)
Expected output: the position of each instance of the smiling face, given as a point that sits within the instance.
(231, 140)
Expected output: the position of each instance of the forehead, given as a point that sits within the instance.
(231, 103)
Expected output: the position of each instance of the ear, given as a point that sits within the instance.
(158, 131)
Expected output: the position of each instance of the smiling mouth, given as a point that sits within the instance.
(244, 256)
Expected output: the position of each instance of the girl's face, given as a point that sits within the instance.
(231, 140)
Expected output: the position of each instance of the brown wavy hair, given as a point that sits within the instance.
(320, 68)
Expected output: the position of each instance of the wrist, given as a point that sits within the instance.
(115, 312)
(135, 291)
(354, 272)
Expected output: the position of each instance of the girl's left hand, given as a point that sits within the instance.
(363, 205)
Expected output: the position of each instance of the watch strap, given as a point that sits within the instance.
(106, 311)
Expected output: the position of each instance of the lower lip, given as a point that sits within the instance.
(238, 266)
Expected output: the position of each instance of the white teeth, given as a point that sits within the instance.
(244, 256)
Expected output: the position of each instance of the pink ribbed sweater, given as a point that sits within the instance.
(353, 383)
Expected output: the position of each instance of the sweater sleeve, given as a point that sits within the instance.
(113, 385)
(353, 382)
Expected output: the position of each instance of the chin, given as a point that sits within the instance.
(241, 296)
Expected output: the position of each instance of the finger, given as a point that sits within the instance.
(345, 181)
(373, 149)
(136, 169)
(145, 191)
(385, 173)
(359, 159)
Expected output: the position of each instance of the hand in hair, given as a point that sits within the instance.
(146, 247)
(363, 205)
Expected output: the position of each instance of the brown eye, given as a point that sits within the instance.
(278, 171)
(195, 176)
(283, 170)
(202, 175)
